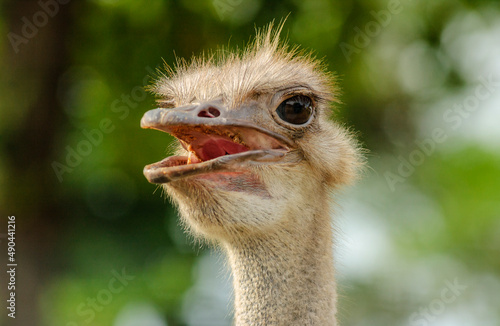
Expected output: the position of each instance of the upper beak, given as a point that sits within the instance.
(205, 115)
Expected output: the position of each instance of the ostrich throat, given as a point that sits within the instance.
(286, 277)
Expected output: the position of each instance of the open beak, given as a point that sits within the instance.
(214, 142)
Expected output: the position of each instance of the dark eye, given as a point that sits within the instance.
(296, 110)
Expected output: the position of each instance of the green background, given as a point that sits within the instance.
(420, 84)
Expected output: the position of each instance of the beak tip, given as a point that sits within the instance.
(151, 118)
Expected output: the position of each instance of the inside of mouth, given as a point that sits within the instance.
(203, 144)
(209, 147)
(202, 147)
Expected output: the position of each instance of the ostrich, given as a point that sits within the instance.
(257, 162)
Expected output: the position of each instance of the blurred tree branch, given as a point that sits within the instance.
(32, 194)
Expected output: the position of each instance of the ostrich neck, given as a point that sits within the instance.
(286, 277)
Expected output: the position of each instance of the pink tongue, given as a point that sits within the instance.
(218, 147)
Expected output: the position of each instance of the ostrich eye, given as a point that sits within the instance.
(296, 110)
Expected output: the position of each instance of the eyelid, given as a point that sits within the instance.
(283, 94)
(298, 92)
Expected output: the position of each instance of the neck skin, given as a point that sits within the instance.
(286, 277)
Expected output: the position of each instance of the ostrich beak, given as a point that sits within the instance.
(215, 142)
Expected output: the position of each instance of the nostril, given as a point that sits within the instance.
(214, 111)
(210, 112)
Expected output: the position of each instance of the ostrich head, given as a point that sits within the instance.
(256, 139)
(258, 157)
